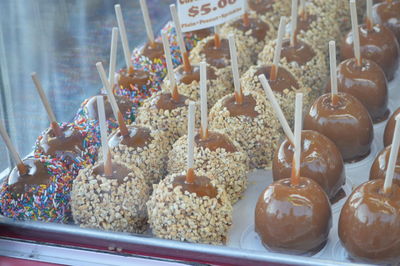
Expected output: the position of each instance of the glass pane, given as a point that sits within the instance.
(61, 41)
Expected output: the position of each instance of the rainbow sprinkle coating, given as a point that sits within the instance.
(46, 203)
(89, 154)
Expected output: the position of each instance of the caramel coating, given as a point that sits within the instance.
(215, 141)
(181, 76)
(201, 186)
(246, 108)
(300, 52)
(284, 79)
(153, 51)
(347, 124)
(367, 83)
(124, 105)
(218, 57)
(136, 78)
(119, 171)
(293, 219)
(37, 175)
(379, 45)
(388, 14)
(320, 160)
(369, 223)
(138, 137)
(389, 129)
(258, 28)
(380, 165)
(166, 102)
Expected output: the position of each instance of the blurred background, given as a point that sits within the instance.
(61, 40)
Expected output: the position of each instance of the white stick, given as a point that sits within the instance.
(294, 21)
(43, 97)
(277, 108)
(369, 11)
(298, 124)
(170, 66)
(203, 96)
(190, 140)
(113, 56)
(124, 38)
(106, 85)
(393, 156)
(302, 6)
(178, 29)
(147, 21)
(246, 6)
(354, 25)
(234, 62)
(216, 29)
(103, 127)
(278, 47)
(332, 60)
(10, 146)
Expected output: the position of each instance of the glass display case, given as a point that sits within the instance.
(62, 41)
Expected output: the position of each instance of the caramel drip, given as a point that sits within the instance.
(56, 129)
(167, 102)
(108, 169)
(217, 41)
(246, 21)
(204, 133)
(186, 62)
(335, 100)
(199, 185)
(274, 73)
(122, 126)
(239, 97)
(22, 169)
(369, 23)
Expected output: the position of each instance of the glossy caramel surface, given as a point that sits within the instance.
(380, 165)
(388, 14)
(378, 45)
(367, 83)
(284, 80)
(138, 137)
(37, 175)
(181, 76)
(215, 141)
(136, 78)
(347, 124)
(293, 219)
(119, 171)
(247, 108)
(257, 28)
(369, 224)
(156, 52)
(67, 147)
(165, 101)
(320, 160)
(389, 129)
(124, 105)
(201, 186)
(218, 57)
(300, 52)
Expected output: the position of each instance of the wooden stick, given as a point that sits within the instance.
(170, 67)
(147, 22)
(235, 69)
(294, 22)
(113, 56)
(246, 20)
(332, 60)
(302, 8)
(278, 49)
(297, 139)
(356, 33)
(124, 38)
(103, 134)
(181, 42)
(53, 121)
(393, 157)
(203, 100)
(217, 39)
(369, 19)
(190, 140)
(277, 108)
(13, 151)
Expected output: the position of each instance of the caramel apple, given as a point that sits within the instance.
(388, 13)
(133, 79)
(378, 44)
(153, 50)
(293, 219)
(366, 82)
(369, 223)
(380, 165)
(389, 129)
(321, 161)
(347, 123)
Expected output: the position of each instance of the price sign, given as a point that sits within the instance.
(200, 14)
